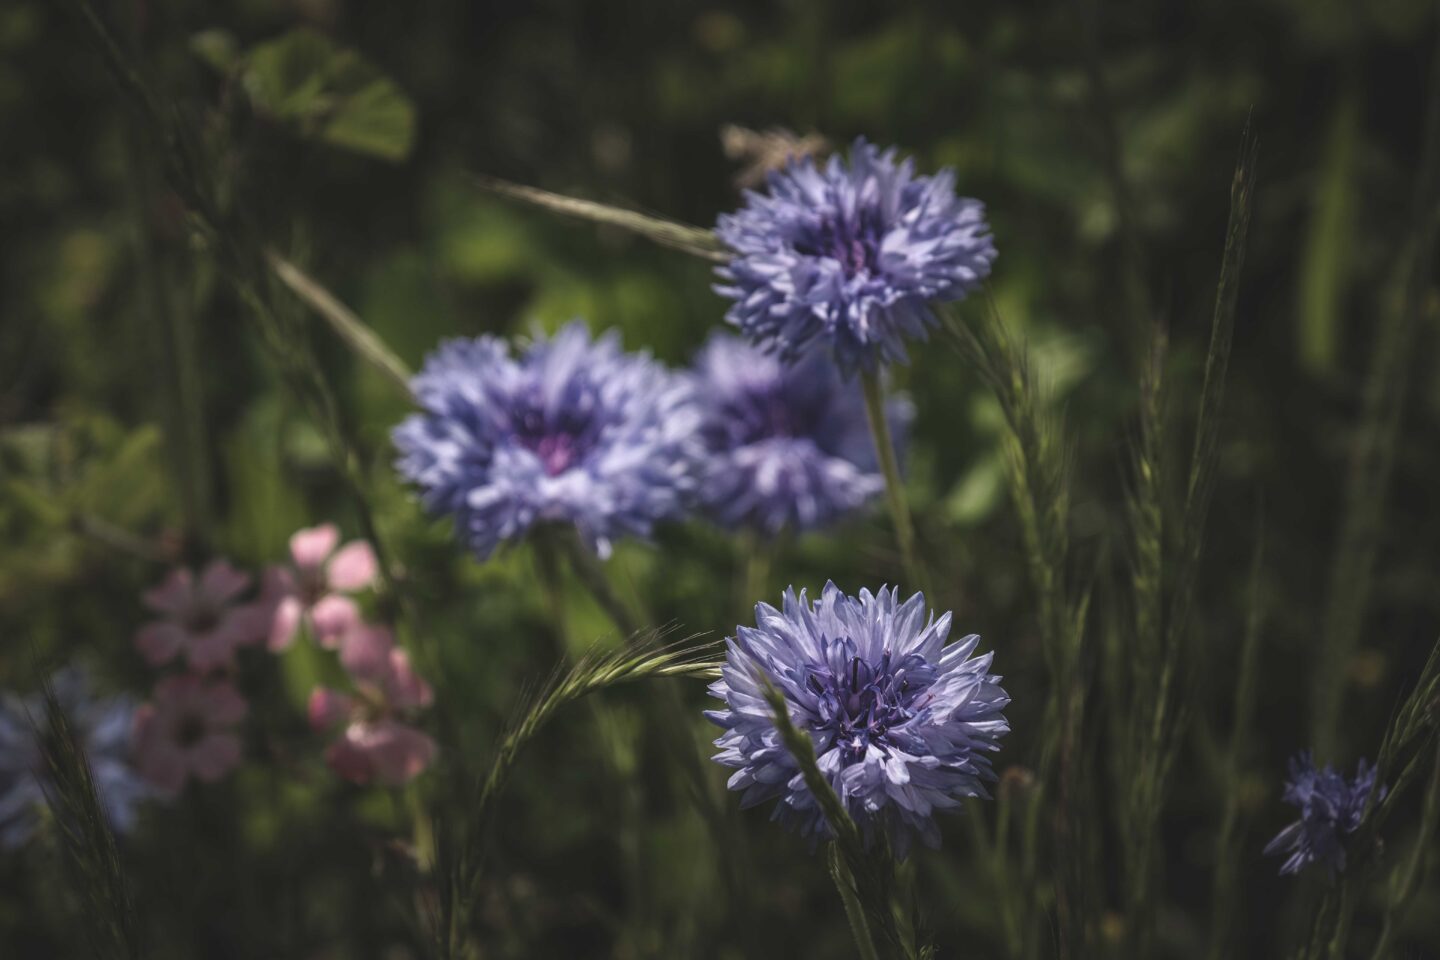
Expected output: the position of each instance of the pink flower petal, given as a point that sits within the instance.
(211, 651)
(214, 756)
(353, 568)
(310, 547)
(399, 752)
(332, 618)
(404, 688)
(221, 582)
(328, 708)
(284, 624)
(173, 595)
(277, 583)
(252, 622)
(393, 753)
(222, 704)
(365, 653)
(156, 755)
(349, 761)
(177, 689)
(160, 641)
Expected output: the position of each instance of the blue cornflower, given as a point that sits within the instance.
(102, 727)
(571, 431)
(1331, 808)
(851, 256)
(788, 445)
(902, 724)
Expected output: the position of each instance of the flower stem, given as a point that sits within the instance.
(593, 577)
(894, 488)
(853, 911)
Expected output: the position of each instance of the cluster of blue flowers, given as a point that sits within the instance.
(833, 269)
(765, 433)
(575, 431)
(1331, 809)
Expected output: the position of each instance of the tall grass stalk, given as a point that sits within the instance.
(244, 259)
(867, 877)
(874, 393)
(1372, 456)
(673, 724)
(1410, 729)
(1037, 471)
(1140, 663)
(1164, 597)
(1225, 882)
(591, 673)
(182, 402)
(1405, 881)
(107, 907)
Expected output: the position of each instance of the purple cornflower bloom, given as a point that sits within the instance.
(851, 255)
(1331, 809)
(103, 728)
(902, 724)
(571, 431)
(788, 445)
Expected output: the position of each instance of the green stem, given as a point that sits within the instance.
(859, 929)
(752, 584)
(894, 487)
(1406, 881)
(587, 567)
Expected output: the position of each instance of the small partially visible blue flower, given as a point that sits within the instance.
(902, 724)
(851, 256)
(1331, 808)
(571, 431)
(103, 727)
(788, 445)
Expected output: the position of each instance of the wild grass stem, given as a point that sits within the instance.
(874, 393)
(107, 909)
(1372, 456)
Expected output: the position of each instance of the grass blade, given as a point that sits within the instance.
(108, 914)
(695, 241)
(1372, 458)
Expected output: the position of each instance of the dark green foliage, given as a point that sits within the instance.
(185, 189)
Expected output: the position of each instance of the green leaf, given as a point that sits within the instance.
(217, 49)
(325, 92)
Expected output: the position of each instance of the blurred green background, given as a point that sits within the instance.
(141, 421)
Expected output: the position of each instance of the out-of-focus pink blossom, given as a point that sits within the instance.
(376, 745)
(382, 670)
(313, 590)
(188, 730)
(199, 618)
(381, 751)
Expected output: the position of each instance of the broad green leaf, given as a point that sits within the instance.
(328, 93)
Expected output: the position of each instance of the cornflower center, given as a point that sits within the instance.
(851, 240)
(865, 701)
(764, 413)
(559, 439)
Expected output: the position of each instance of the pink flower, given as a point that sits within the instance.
(375, 746)
(199, 618)
(312, 591)
(188, 730)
